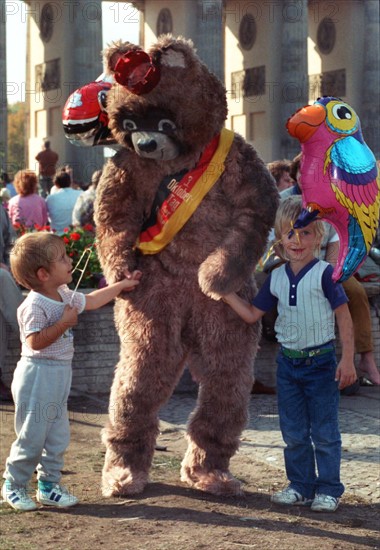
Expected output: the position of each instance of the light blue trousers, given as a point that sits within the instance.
(40, 390)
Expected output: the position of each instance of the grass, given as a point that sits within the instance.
(167, 462)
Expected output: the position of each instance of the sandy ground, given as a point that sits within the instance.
(169, 515)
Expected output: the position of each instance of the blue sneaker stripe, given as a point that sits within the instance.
(13, 497)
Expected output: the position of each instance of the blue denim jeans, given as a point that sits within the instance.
(308, 402)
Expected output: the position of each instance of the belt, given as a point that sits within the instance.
(304, 354)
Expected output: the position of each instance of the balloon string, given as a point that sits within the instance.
(82, 271)
(294, 231)
(271, 250)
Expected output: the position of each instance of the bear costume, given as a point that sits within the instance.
(190, 205)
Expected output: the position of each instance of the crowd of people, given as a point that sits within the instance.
(44, 319)
(49, 198)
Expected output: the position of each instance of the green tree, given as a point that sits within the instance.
(16, 137)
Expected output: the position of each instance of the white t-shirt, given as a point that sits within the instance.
(38, 312)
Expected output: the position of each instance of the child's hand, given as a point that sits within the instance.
(345, 374)
(131, 280)
(70, 316)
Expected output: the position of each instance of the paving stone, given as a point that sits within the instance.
(359, 417)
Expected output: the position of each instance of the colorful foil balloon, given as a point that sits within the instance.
(339, 177)
(84, 117)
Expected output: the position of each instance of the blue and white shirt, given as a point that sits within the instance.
(305, 304)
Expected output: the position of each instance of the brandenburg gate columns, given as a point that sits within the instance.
(370, 114)
(294, 71)
(64, 45)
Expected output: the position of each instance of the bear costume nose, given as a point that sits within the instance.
(147, 145)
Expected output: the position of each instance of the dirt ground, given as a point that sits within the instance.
(169, 515)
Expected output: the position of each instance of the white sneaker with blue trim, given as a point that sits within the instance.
(17, 497)
(324, 503)
(56, 496)
(290, 497)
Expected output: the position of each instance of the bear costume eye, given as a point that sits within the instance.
(167, 126)
(129, 125)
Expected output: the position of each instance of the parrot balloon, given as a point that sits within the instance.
(339, 177)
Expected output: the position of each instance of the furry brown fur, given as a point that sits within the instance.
(175, 314)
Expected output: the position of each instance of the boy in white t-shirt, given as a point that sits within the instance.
(42, 378)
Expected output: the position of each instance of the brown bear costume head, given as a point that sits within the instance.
(157, 106)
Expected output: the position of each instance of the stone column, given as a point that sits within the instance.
(294, 72)
(370, 111)
(87, 61)
(210, 42)
(3, 92)
(87, 38)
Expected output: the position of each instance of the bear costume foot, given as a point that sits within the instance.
(117, 481)
(216, 482)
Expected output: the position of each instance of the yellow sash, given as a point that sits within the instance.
(183, 197)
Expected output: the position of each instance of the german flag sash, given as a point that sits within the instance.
(179, 195)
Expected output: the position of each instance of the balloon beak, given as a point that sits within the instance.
(305, 122)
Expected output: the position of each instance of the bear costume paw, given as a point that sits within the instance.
(118, 481)
(118, 478)
(216, 482)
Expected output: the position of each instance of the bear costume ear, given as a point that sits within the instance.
(174, 53)
(173, 58)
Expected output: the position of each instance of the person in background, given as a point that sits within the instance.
(83, 212)
(358, 301)
(10, 297)
(280, 170)
(42, 377)
(61, 204)
(27, 207)
(6, 182)
(4, 197)
(74, 184)
(47, 160)
(308, 376)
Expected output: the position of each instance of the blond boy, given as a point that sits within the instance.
(42, 378)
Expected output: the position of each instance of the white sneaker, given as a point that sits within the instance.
(290, 496)
(17, 497)
(325, 503)
(57, 496)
